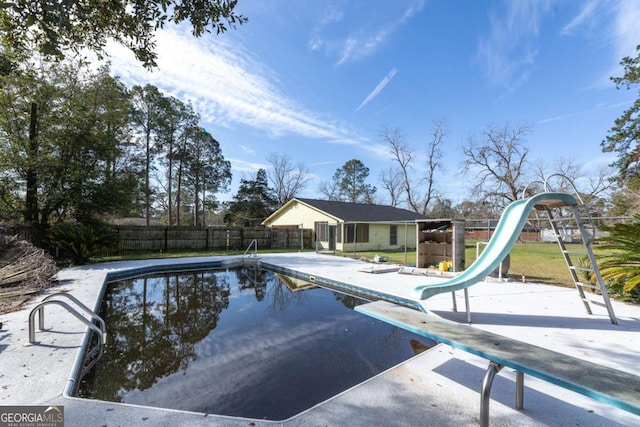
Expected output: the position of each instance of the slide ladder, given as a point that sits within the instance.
(585, 272)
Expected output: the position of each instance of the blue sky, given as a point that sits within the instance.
(317, 79)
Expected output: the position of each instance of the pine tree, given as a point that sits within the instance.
(253, 202)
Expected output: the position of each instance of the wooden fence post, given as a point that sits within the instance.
(166, 240)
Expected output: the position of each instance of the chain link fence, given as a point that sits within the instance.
(536, 256)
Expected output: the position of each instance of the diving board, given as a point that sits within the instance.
(614, 387)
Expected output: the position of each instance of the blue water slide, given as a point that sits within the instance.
(505, 235)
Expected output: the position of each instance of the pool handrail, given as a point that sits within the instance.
(253, 243)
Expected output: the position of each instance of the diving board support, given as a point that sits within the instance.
(519, 390)
(485, 394)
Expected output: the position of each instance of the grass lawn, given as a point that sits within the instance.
(539, 261)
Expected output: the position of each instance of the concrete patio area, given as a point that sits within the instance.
(438, 387)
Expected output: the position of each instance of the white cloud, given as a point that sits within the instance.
(599, 162)
(626, 28)
(617, 23)
(614, 24)
(325, 163)
(508, 53)
(227, 86)
(585, 14)
(375, 92)
(332, 15)
(362, 44)
(248, 150)
(584, 112)
(350, 45)
(238, 165)
(378, 149)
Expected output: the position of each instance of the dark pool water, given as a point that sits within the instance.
(237, 342)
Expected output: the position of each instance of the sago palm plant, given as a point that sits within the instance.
(620, 266)
(82, 241)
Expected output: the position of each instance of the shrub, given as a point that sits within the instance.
(82, 241)
(621, 265)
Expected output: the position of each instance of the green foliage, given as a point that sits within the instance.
(80, 163)
(585, 273)
(350, 180)
(168, 133)
(96, 148)
(620, 266)
(149, 113)
(82, 241)
(624, 137)
(205, 171)
(53, 26)
(626, 200)
(253, 202)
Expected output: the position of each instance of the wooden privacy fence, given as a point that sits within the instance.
(164, 239)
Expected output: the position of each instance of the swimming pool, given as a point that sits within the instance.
(239, 342)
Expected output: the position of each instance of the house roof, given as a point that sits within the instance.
(362, 212)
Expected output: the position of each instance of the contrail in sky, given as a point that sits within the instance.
(383, 83)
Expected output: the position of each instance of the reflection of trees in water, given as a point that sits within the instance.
(267, 284)
(281, 296)
(348, 301)
(252, 278)
(154, 324)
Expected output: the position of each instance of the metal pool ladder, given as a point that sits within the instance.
(95, 324)
(254, 244)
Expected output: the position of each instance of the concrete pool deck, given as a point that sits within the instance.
(438, 387)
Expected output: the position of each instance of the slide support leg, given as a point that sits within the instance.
(466, 303)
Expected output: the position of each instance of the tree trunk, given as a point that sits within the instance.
(31, 208)
(170, 183)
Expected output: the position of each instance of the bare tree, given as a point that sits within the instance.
(286, 179)
(434, 154)
(392, 182)
(561, 168)
(601, 182)
(591, 183)
(405, 157)
(498, 158)
(330, 190)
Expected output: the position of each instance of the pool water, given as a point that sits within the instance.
(239, 342)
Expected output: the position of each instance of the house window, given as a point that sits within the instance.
(322, 229)
(361, 233)
(339, 233)
(393, 235)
